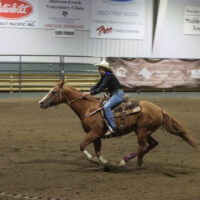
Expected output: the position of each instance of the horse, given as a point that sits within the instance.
(143, 123)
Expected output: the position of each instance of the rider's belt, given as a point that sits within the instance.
(117, 90)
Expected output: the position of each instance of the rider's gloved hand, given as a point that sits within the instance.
(86, 93)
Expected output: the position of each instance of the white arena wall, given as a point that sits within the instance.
(168, 41)
(43, 42)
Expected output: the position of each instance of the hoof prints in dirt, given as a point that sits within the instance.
(28, 197)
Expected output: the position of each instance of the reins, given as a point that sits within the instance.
(94, 112)
(74, 100)
(70, 102)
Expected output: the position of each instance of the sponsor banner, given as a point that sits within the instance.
(73, 14)
(163, 73)
(117, 19)
(51, 14)
(19, 13)
(192, 20)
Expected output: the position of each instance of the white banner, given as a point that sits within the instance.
(72, 14)
(118, 19)
(19, 13)
(192, 20)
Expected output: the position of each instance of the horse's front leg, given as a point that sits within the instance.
(95, 138)
(99, 158)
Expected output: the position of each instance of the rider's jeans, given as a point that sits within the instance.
(116, 98)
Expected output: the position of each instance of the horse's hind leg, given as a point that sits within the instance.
(144, 137)
(142, 141)
(152, 144)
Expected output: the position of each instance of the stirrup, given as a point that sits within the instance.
(109, 133)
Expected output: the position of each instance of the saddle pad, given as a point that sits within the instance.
(128, 112)
(128, 108)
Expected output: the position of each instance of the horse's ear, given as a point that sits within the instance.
(61, 83)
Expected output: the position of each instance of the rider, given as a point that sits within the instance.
(108, 80)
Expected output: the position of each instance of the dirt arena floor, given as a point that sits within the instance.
(40, 157)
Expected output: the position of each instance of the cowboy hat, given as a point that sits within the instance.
(105, 65)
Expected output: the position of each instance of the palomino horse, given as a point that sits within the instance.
(148, 120)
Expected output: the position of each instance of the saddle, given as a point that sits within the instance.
(127, 107)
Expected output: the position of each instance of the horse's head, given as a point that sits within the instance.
(53, 97)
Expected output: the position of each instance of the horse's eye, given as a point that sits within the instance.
(53, 92)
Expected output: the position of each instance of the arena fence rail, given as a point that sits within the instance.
(40, 73)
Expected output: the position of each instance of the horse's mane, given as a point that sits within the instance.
(89, 97)
(72, 88)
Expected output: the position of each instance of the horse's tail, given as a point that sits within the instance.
(173, 126)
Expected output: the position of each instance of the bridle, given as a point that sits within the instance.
(69, 102)
(59, 93)
(53, 97)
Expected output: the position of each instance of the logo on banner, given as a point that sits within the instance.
(195, 73)
(104, 30)
(145, 73)
(121, 72)
(15, 9)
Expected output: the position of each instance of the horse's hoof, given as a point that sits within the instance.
(106, 168)
(111, 166)
(95, 160)
(140, 161)
(122, 163)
